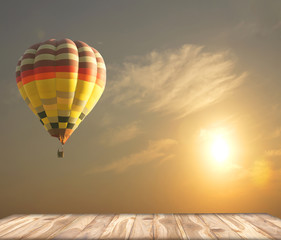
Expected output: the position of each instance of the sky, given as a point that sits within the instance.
(189, 122)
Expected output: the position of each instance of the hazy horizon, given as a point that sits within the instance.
(189, 122)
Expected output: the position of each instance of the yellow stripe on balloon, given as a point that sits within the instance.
(64, 100)
(87, 59)
(51, 113)
(64, 106)
(84, 49)
(50, 107)
(84, 90)
(77, 108)
(45, 121)
(101, 65)
(30, 50)
(97, 92)
(66, 85)
(44, 56)
(46, 88)
(62, 125)
(74, 114)
(67, 56)
(66, 45)
(78, 121)
(27, 61)
(47, 46)
(32, 93)
(98, 55)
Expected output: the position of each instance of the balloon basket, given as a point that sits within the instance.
(60, 154)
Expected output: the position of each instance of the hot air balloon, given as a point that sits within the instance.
(61, 81)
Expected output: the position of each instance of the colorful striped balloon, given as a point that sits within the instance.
(61, 81)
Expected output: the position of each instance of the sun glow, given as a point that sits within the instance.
(220, 149)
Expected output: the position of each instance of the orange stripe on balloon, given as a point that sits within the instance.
(87, 77)
(66, 75)
(19, 84)
(27, 79)
(88, 71)
(100, 82)
(44, 69)
(43, 76)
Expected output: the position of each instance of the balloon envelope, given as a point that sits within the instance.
(61, 81)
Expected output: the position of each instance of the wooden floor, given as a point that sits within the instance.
(141, 226)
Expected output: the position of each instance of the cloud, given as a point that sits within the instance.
(273, 152)
(276, 133)
(177, 81)
(157, 151)
(106, 120)
(261, 172)
(122, 134)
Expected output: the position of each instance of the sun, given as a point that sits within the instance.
(220, 149)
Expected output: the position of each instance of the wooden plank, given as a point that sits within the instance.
(220, 229)
(29, 227)
(10, 224)
(120, 227)
(95, 229)
(242, 227)
(7, 219)
(51, 227)
(266, 226)
(165, 227)
(143, 227)
(179, 225)
(75, 227)
(268, 218)
(194, 227)
(17, 223)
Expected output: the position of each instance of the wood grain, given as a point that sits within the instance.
(120, 227)
(242, 227)
(75, 227)
(165, 227)
(29, 227)
(50, 228)
(194, 227)
(9, 218)
(220, 229)
(143, 227)
(17, 223)
(268, 218)
(95, 229)
(266, 226)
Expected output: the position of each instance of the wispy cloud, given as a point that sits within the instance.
(261, 172)
(276, 133)
(273, 152)
(177, 81)
(114, 136)
(156, 151)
